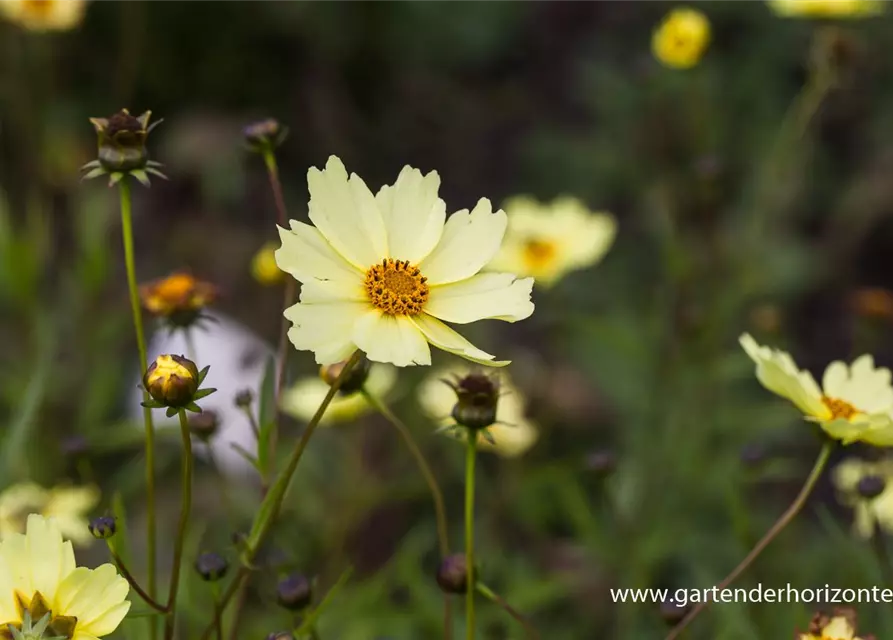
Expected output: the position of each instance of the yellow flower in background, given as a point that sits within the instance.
(840, 626)
(179, 298)
(866, 487)
(513, 434)
(264, 268)
(69, 506)
(854, 403)
(44, 15)
(681, 38)
(547, 241)
(38, 575)
(303, 398)
(826, 8)
(381, 273)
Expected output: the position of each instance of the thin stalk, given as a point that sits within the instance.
(122, 568)
(218, 623)
(190, 344)
(491, 595)
(185, 507)
(255, 428)
(778, 527)
(151, 529)
(308, 624)
(471, 452)
(237, 614)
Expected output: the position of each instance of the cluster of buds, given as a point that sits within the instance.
(122, 148)
(179, 300)
(174, 382)
(477, 396)
(265, 135)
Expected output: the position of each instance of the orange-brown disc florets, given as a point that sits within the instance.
(396, 287)
(839, 408)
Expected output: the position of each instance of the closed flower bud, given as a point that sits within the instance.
(477, 395)
(355, 378)
(102, 527)
(452, 574)
(211, 566)
(204, 425)
(280, 635)
(294, 592)
(264, 135)
(172, 380)
(602, 462)
(871, 486)
(244, 398)
(672, 612)
(122, 141)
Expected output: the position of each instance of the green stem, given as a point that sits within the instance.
(218, 623)
(308, 624)
(436, 494)
(785, 519)
(471, 451)
(180, 541)
(488, 593)
(127, 233)
(122, 568)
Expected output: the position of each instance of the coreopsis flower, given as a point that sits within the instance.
(872, 302)
(547, 241)
(681, 38)
(381, 272)
(265, 135)
(179, 299)
(69, 507)
(122, 148)
(303, 398)
(44, 15)
(39, 577)
(853, 404)
(173, 382)
(826, 8)
(840, 626)
(867, 488)
(264, 267)
(509, 434)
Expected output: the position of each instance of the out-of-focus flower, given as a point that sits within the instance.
(211, 566)
(178, 299)
(264, 267)
(173, 382)
(294, 592)
(766, 318)
(39, 577)
(452, 574)
(512, 434)
(69, 507)
(380, 273)
(826, 8)
(44, 15)
(264, 135)
(872, 302)
(681, 38)
(547, 241)
(854, 403)
(840, 626)
(866, 487)
(303, 398)
(122, 148)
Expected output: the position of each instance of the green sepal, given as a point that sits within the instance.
(171, 411)
(115, 178)
(91, 165)
(156, 172)
(141, 177)
(152, 404)
(94, 173)
(488, 436)
(202, 374)
(203, 393)
(153, 163)
(194, 408)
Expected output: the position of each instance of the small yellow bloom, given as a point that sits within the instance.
(547, 241)
(854, 403)
(38, 575)
(513, 434)
(867, 487)
(44, 15)
(840, 626)
(264, 267)
(68, 505)
(826, 8)
(872, 302)
(681, 39)
(179, 298)
(303, 398)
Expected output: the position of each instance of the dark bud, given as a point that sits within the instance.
(244, 398)
(452, 574)
(211, 566)
(264, 135)
(672, 612)
(204, 425)
(752, 454)
(477, 395)
(75, 445)
(122, 141)
(102, 527)
(602, 462)
(280, 635)
(354, 380)
(870, 487)
(294, 592)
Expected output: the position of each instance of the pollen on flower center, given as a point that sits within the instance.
(839, 408)
(539, 252)
(39, 7)
(396, 287)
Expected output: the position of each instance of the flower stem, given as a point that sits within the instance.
(179, 542)
(218, 622)
(488, 593)
(471, 452)
(773, 532)
(133, 583)
(127, 233)
(308, 624)
(190, 344)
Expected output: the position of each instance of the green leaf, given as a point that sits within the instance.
(242, 452)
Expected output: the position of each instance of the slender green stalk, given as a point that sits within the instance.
(237, 614)
(308, 624)
(127, 233)
(785, 519)
(255, 428)
(491, 595)
(122, 568)
(180, 541)
(436, 494)
(218, 623)
(471, 452)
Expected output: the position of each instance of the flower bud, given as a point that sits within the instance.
(122, 141)
(871, 486)
(264, 135)
(355, 378)
(103, 527)
(452, 574)
(602, 462)
(211, 566)
(172, 381)
(243, 399)
(204, 425)
(294, 592)
(281, 635)
(672, 612)
(477, 395)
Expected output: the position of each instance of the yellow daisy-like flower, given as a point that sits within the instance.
(38, 575)
(840, 626)
(681, 38)
(826, 8)
(179, 298)
(44, 15)
(854, 403)
(547, 241)
(866, 487)
(303, 398)
(380, 272)
(67, 505)
(513, 434)
(264, 268)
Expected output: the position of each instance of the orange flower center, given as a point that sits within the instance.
(538, 253)
(39, 8)
(396, 287)
(177, 286)
(839, 408)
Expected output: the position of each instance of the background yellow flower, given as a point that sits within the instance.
(69, 506)
(44, 15)
(303, 398)
(826, 8)
(681, 38)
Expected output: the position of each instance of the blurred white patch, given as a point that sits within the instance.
(237, 358)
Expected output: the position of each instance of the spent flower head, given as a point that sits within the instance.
(179, 299)
(122, 148)
(173, 382)
(867, 488)
(264, 135)
(44, 15)
(681, 38)
(67, 505)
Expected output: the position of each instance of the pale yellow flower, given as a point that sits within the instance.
(380, 272)
(69, 506)
(38, 574)
(547, 241)
(854, 403)
(44, 15)
(868, 512)
(263, 266)
(681, 39)
(840, 626)
(826, 8)
(513, 434)
(303, 398)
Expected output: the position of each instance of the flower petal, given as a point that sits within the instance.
(317, 291)
(778, 373)
(497, 296)
(305, 254)
(325, 329)
(442, 337)
(394, 339)
(96, 597)
(469, 241)
(39, 559)
(413, 214)
(347, 215)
